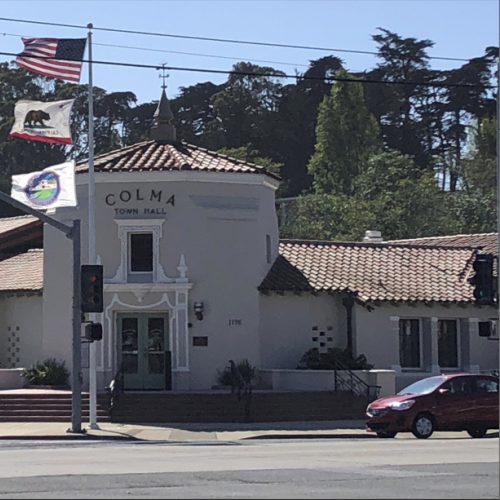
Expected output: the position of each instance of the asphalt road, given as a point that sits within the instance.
(327, 468)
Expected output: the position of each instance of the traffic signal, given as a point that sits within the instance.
(92, 289)
(483, 279)
(93, 332)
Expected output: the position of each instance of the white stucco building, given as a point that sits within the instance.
(195, 274)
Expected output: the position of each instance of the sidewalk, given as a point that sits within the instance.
(186, 432)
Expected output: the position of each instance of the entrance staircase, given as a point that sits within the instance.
(347, 401)
(41, 406)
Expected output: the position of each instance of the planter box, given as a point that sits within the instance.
(11, 378)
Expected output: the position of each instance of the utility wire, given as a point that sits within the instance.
(197, 54)
(222, 40)
(270, 75)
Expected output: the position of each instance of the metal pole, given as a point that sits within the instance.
(73, 233)
(76, 381)
(498, 193)
(92, 255)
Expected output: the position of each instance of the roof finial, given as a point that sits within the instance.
(163, 130)
(164, 76)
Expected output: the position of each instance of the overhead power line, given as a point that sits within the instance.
(271, 75)
(196, 54)
(221, 40)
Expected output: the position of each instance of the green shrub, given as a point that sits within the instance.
(314, 360)
(48, 372)
(248, 372)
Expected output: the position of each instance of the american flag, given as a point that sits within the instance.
(57, 58)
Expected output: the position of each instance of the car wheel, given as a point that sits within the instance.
(386, 434)
(477, 432)
(423, 426)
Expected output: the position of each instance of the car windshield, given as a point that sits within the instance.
(424, 386)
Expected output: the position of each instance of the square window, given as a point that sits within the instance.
(200, 341)
(141, 252)
(315, 339)
(484, 329)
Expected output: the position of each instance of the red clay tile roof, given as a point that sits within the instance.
(487, 242)
(373, 271)
(18, 234)
(10, 223)
(156, 156)
(22, 273)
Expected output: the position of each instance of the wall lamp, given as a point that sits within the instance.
(198, 310)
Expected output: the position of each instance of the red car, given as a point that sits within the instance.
(458, 402)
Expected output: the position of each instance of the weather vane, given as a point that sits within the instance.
(164, 76)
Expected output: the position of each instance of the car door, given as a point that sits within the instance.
(486, 401)
(455, 407)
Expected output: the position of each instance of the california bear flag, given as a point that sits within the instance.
(43, 121)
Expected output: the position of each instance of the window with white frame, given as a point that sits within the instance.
(140, 252)
(447, 343)
(409, 343)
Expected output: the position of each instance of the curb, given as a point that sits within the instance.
(90, 437)
(71, 437)
(313, 436)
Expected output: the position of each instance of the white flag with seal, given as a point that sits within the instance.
(53, 187)
(43, 121)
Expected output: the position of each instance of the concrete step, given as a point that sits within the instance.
(48, 419)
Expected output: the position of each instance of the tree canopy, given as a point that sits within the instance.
(396, 147)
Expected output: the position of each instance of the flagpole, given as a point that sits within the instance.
(92, 253)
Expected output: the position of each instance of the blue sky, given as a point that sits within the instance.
(459, 28)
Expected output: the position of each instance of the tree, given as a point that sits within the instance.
(347, 134)
(325, 217)
(246, 153)
(295, 133)
(405, 201)
(398, 107)
(195, 118)
(461, 105)
(111, 112)
(246, 107)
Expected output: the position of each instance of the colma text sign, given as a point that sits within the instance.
(139, 203)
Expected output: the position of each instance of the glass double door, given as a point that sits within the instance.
(143, 352)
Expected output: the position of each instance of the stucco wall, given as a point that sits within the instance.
(286, 326)
(220, 227)
(377, 336)
(57, 295)
(20, 331)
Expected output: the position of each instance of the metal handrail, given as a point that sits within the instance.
(354, 384)
(114, 390)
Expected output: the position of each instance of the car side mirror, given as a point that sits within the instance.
(444, 392)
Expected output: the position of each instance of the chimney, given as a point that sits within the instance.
(163, 131)
(372, 237)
